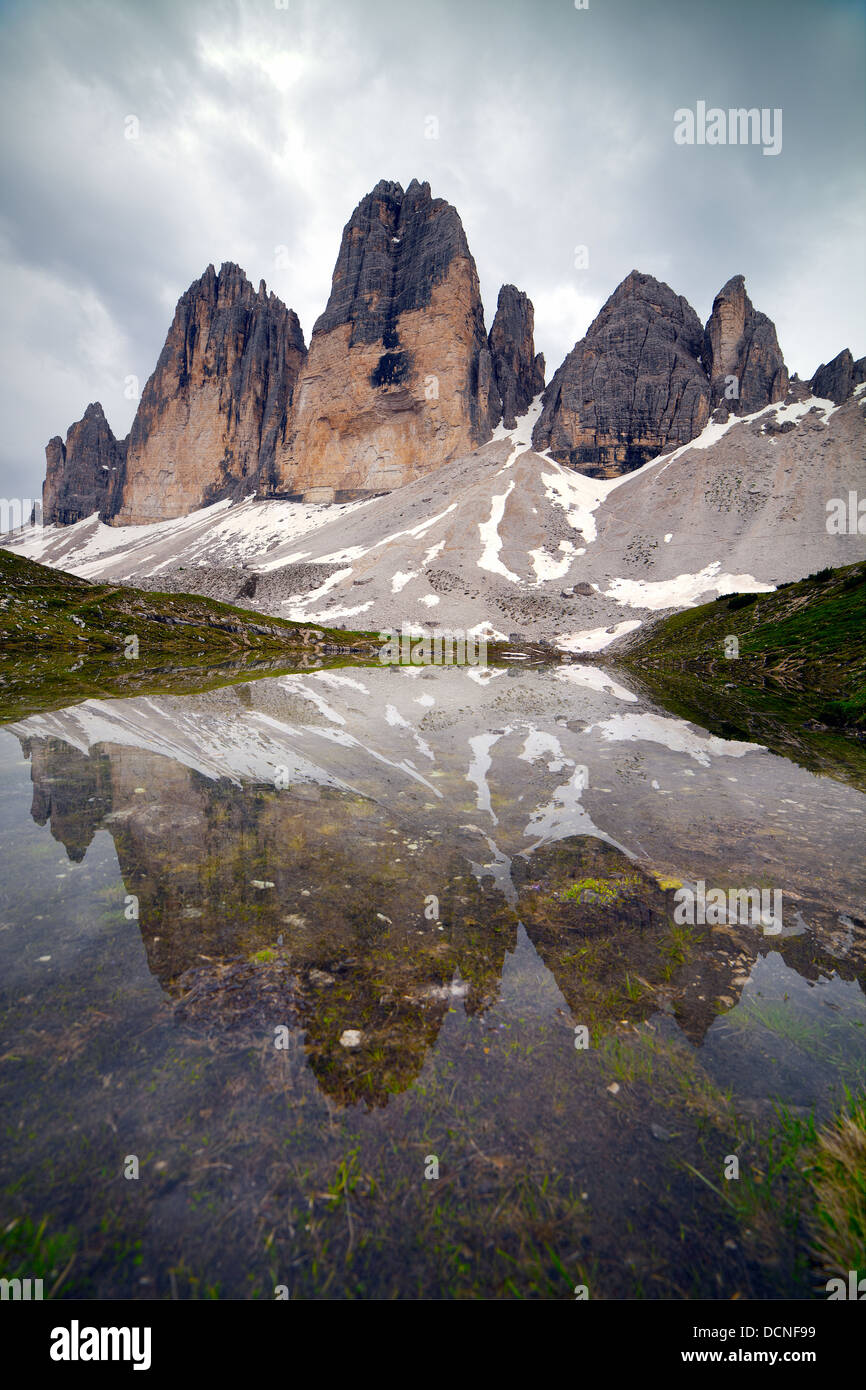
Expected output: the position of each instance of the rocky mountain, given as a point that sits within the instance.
(216, 409)
(502, 540)
(741, 353)
(85, 474)
(402, 380)
(646, 377)
(518, 371)
(836, 380)
(632, 387)
(399, 376)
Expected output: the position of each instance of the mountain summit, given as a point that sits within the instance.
(646, 377)
(401, 379)
(632, 387)
(216, 408)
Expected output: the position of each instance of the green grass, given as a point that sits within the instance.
(41, 606)
(65, 640)
(814, 626)
(28, 1251)
(798, 685)
(838, 1181)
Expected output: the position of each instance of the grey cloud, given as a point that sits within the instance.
(263, 127)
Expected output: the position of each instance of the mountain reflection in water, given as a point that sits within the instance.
(306, 934)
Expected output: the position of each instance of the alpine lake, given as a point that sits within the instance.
(374, 982)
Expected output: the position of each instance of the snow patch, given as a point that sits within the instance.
(596, 638)
(401, 579)
(594, 678)
(673, 734)
(685, 590)
(489, 532)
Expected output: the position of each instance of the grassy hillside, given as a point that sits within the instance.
(64, 639)
(799, 681)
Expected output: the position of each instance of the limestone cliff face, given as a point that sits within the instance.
(633, 387)
(834, 381)
(518, 372)
(216, 409)
(85, 474)
(741, 353)
(399, 377)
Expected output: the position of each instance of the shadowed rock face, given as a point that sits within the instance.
(399, 377)
(518, 371)
(84, 475)
(215, 409)
(632, 387)
(834, 381)
(741, 343)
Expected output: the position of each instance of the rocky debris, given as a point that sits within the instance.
(741, 353)
(399, 376)
(84, 475)
(633, 387)
(238, 994)
(228, 584)
(834, 381)
(519, 372)
(703, 518)
(215, 410)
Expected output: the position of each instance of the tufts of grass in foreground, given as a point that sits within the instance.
(838, 1180)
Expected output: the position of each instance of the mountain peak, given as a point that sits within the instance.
(835, 380)
(217, 406)
(519, 373)
(741, 353)
(632, 387)
(399, 378)
(84, 474)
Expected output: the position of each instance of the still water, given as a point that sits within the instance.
(368, 984)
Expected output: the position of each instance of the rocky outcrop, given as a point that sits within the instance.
(399, 376)
(85, 474)
(633, 387)
(646, 376)
(401, 379)
(741, 353)
(834, 381)
(216, 409)
(518, 372)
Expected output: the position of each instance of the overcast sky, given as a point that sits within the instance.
(261, 127)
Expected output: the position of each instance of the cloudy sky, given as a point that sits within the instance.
(261, 126)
